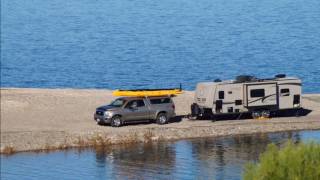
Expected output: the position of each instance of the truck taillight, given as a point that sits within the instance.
(173, 106)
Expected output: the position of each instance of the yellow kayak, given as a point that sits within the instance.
(147, 92)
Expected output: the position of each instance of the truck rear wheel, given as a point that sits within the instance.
(162, 118)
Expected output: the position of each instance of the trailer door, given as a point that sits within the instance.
(261, 95)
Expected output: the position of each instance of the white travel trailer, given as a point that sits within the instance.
(247, 94)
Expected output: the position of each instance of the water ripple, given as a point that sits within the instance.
(156, 44)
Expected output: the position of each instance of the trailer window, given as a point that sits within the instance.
(257, 93)
(284, 92)
(238, 102)
(221, 94)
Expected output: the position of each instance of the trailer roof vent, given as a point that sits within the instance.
(217, 80)
(245, 78)
(280, 76)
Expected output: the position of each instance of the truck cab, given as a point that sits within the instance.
(132, 109)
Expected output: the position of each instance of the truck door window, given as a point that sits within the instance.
(131, 104)
(135, 103)
(257, 93)
(221, 94)
(140, 103)
(118, 102)
(284, 92)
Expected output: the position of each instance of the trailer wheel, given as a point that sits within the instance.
(190, 117)
(256, 114)
(265, 114)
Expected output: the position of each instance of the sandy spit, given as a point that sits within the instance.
(39, 119)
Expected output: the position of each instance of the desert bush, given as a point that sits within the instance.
(292, 162)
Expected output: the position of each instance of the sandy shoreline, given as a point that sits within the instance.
(35, 119)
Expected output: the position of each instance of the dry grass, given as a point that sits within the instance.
(80, 142)
(63, 146)
(48, 148)
(161, 138)
(8, 150)
(131, 138)
(98, 140)
(148, 136)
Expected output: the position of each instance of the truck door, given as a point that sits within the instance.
(136, 110)
(261, 95)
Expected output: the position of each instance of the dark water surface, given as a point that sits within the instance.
(202, 158)
(156, 44)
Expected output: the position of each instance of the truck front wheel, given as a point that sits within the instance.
(116, 121)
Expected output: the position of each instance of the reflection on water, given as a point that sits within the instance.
(143, 160)
(202, 158)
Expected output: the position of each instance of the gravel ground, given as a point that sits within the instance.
(39, 119)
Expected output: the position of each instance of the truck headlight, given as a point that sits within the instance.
(107, 114)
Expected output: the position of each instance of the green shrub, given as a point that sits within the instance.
(292, 162)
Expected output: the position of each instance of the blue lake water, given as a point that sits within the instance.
(201, 158)
(156, 44)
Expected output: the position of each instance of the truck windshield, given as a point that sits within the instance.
(118, 103)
